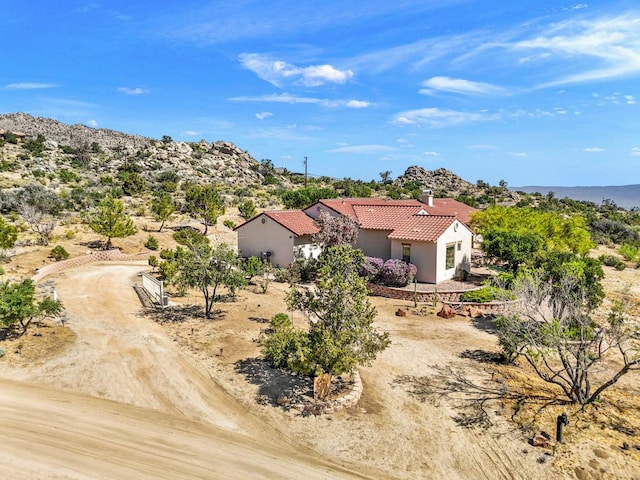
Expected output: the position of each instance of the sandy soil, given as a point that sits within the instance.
(133, 395)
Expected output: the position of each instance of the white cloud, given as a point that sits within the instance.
(364, 149)
(190, 133)
(635, 151)
(458, 85)
(133, 91)
(320, 74)
(613, 44)
(578, 6)
(91, 123)
(630, 99)
(29, 86)
(436, 117)
(432, 154)
(357, 104)
(279, 98)
(517, 154)
(263, 115)
(277, 71)
(594, 149)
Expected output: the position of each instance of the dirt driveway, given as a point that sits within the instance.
(133, 398)
(125, 402)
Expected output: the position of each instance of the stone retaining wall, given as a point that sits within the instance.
(91, 257)
(346, 401)
(409, 295)
(451, 298)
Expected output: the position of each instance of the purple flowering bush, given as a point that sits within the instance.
(371, 269)
(396, 273)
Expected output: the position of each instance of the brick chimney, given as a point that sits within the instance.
(427, 198)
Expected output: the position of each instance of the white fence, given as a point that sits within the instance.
(154, 288)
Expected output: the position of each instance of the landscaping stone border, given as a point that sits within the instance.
(332, 406)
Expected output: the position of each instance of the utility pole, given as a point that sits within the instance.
(305, 172)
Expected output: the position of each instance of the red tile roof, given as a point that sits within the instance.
(422, 228)
(383, 217)
(345, 206)
(295, 221)
(441, 206)
(450, 206)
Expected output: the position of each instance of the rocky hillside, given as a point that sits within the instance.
(445, 183)
(95, 153)
(440, 181)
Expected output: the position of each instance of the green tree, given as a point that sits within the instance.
(304, 197)
(204, 202)
(162, 207)
(341, 334)
(19, 305)
(561, 232)
(512, 247)
(111, 221)
(587, 272)
(554, 329)
(207, 268)
(247, 209)
(8, 235)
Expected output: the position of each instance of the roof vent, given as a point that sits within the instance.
(422, 212)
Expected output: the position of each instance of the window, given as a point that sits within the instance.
(459, 246)
(450, 261)
(406, 252)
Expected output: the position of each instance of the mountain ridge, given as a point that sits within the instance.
(625, 196)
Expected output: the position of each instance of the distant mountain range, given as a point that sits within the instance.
(625, 196)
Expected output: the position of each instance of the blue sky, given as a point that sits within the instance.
(532, 92)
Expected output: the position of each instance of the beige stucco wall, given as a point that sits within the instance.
(374, 243)
(462, 256)
(314, 211)
(422, 256)
(256, 237)
(430, 258)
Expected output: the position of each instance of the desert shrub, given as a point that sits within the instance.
(2, 272)
(303, 270)
(482, 295)
(229, 224)
(286, 347)
(396, 273)
(59, 253)
(281, 275)
(612, 261)
(67, 176)
(280, 320)
(252, 266)
(153, 261)
(152, 243)
(612, 231)
(371, 268)
(189, 236)
(628, 251)
(69, 234)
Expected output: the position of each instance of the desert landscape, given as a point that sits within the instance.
(118, 391)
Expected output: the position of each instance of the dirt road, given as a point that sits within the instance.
(124, 402)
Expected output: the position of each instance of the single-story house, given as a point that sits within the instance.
(432, 233)
(278, 236)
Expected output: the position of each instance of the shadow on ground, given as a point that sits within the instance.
(272, 382)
